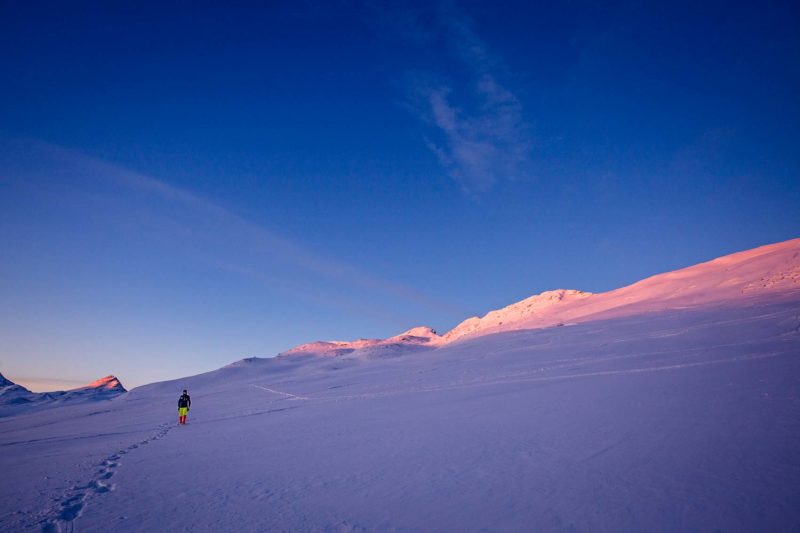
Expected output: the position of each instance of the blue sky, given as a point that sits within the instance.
(183, 186)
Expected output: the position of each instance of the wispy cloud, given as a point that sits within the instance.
(223, 239)
(479, 133)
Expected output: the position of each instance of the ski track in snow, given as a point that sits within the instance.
(61, 517)
(287, 394)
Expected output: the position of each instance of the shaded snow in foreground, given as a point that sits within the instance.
(679, 420)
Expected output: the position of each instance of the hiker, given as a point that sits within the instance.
(184, 403)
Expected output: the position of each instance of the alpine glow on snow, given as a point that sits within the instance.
(669, 404)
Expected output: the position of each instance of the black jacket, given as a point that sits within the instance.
(184, 401)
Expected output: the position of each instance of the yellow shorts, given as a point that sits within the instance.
(182, 411)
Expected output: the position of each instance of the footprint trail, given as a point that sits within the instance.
(61, 517)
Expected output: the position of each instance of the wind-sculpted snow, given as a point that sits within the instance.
(679, 420)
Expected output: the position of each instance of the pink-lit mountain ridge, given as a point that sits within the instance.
(771, 271)
(105, 388)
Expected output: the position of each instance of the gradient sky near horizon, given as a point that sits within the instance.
(184, 185)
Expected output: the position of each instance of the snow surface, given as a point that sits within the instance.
(678, 410)
(414, 339)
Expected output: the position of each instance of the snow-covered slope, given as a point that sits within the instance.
(13, 394)
(415, 339)
(671, 406)
(674, 421)
(772, 270)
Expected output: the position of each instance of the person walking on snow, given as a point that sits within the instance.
(184, 403)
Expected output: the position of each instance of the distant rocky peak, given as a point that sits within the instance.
(108, 383)
(5, 382)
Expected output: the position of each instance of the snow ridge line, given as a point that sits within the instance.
(61, 517)
(287, 394)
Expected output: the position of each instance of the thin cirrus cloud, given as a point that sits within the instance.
(228, 241)
(479, 133)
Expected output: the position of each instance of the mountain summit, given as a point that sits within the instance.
(548, 303)
(106, 384)
(13, 394)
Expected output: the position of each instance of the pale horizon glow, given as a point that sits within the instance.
(47, 384)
